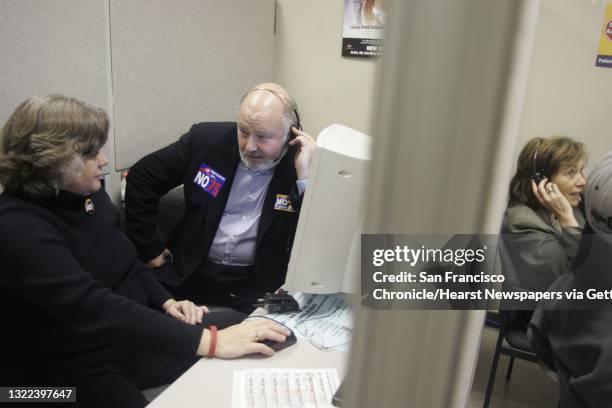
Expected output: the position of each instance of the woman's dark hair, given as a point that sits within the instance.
(542, 154)
(43, 143)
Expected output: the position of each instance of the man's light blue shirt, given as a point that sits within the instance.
(234, 242)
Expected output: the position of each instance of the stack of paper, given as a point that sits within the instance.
(277, 387)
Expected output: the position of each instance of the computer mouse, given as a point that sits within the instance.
(279, 345)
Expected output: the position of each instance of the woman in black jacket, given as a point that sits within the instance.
(78, 307)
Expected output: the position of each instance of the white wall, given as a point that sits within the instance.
(567, 94)
(307, 61)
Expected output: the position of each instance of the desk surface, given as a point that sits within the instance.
(209, 383)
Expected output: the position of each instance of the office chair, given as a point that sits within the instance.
(493, 320)
(516, 344)
(171, 209)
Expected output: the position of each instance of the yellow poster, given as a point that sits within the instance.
(604, 53)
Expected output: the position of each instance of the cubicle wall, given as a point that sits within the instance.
(177, 63)
(156, 66)
(52, 47)
(449, 95)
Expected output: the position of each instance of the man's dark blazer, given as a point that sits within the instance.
(213, 144)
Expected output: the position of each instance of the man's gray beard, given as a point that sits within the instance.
(265, 165)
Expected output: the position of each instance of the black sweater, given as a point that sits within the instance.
(74, 298)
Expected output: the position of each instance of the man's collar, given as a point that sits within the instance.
(243, 167)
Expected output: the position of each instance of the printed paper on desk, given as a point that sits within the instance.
(278, 387)
(326, 320)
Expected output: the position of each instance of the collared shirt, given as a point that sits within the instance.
(234, 242)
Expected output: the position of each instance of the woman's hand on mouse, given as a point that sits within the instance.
(244, 338)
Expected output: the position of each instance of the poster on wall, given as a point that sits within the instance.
(364, 26)
(604, 53)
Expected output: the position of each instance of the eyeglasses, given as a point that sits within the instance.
(315, 337)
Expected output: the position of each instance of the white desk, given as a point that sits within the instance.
(209, 383)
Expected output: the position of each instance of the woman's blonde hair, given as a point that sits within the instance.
(43, 141)
(542, 154)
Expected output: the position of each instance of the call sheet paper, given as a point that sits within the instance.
(276, 387)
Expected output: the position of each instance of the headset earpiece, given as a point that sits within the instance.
(539, 174)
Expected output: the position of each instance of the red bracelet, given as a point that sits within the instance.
(213, 342)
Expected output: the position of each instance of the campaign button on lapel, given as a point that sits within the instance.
(209, 180)
(89, 206)
(283, 203)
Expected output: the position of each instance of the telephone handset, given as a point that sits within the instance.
(538, 175)
(290, 136)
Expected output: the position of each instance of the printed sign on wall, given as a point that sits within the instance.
(604, 53)
(362, 35)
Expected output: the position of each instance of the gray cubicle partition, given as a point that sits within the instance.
(156, 66)
(52, 47)
(450, 95)
(180, 62)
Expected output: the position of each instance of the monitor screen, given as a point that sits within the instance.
(329, 226)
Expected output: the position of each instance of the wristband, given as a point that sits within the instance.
(213, 342)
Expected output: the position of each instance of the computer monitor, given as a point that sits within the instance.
(329, 227)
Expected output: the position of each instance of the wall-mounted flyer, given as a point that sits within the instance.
(604, 53)
(364, 26)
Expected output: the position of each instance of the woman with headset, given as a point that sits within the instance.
(545, 213)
